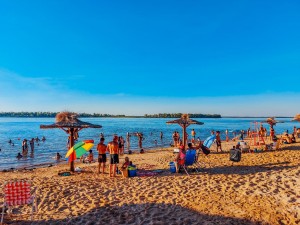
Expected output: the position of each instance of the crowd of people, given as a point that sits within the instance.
(116, 147)
(25, 147)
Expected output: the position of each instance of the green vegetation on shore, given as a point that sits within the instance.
(178, 115)
(53, 114)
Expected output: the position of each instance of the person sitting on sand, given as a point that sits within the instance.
(124, 167)
(180, 158)
(90, 157)
(293, 139)
(286, 139)
(19, 156)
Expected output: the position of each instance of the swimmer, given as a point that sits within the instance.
(58, 156)
(19, 156)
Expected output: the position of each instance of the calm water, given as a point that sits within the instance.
(17, 129)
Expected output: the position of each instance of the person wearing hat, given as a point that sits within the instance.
(180, 158)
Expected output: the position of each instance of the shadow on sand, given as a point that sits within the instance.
(244, 170)
(143, 214)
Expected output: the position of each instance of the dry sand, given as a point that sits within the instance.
(264, 188)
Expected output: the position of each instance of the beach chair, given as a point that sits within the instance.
(18, 193)
(181, 165)
(190, 161)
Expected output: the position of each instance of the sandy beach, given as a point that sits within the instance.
(263, 188)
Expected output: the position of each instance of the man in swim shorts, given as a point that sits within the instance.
(101, 148)
(218, 141)
(113, 149)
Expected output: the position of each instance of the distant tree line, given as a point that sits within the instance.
(177, 115)
(53, 114)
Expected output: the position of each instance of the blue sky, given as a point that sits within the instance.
(136, 57)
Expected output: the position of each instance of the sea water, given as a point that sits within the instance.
(17, 129)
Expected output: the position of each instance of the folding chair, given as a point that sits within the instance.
(190, 161)
(18, 193)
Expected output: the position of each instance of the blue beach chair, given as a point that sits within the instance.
(190, 161)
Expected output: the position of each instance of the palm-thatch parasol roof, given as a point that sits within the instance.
(70, 123)
(272, 121)
(296, 118)
(185, 121)
(69, 120)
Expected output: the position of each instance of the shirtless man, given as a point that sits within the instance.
(218, 141)
(113, 149)
(101, 148)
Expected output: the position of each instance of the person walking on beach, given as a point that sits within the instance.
(218, 141)
(113, 149)
(102, 149)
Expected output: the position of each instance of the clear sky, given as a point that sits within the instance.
(137, 57)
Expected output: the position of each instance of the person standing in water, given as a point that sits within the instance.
(31, 143)
(24, 147)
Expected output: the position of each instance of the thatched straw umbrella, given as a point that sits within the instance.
(69, 123)
(272, 121)
(296, 118)
(184, 122)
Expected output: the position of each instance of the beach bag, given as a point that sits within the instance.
(235, 155)
(205, 150)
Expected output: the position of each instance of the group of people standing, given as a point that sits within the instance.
(114, 150)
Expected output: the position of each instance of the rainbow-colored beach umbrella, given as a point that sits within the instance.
(79, 149)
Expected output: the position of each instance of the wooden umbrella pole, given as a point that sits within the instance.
(184, 135)
(71, 145)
